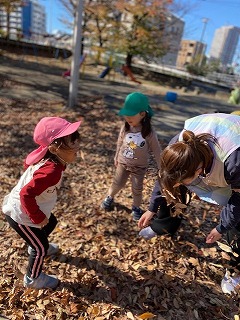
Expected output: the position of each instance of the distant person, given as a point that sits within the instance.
(28, 206)
(136, 140)
(205, 160)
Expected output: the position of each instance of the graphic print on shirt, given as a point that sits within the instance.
(133, 141)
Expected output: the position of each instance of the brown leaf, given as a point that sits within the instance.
(146, 315)
(106, 270)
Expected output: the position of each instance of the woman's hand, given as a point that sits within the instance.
(213, 236)
(43, 223)
(145, 219)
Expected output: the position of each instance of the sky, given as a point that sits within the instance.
(202, 18)
(205, 16)
(54, 11)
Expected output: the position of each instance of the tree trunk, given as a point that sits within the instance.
(8, 26)
(129, 60)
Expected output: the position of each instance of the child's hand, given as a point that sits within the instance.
(213, 236)
(43, 223)
(145, 218)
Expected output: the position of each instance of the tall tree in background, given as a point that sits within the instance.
(71, 8)
(100, 16)
(131, 28)
(9, 6)
(141, 32)
(97, 20)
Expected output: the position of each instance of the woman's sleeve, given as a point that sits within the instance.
(155, 147)
(156, 198)
(230, 214)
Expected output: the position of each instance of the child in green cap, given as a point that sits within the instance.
(136, 140)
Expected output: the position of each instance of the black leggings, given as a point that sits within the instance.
(37, 239)
(164, 223)
(233, 239)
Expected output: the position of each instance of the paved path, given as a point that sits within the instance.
(34, 80)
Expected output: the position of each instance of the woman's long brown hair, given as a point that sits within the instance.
(180, 161)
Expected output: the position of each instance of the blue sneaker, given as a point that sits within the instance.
(107, 203)
(147, 233)
(136, 213)
(43, 281)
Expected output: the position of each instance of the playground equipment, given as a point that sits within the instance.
(105, 72)
(124, 70)
(67, 74)
(129, 73)
(171, 96)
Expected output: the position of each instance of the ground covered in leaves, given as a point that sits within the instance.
(106, 270)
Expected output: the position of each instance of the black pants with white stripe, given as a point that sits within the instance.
(233, 239)
(37, 239)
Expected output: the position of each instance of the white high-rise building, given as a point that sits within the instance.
(174, 29)
(224, 44)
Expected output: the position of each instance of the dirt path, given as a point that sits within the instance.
(41, 79)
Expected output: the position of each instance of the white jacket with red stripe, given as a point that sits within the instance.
(35, 195)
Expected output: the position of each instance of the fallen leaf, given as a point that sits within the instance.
(147, 315)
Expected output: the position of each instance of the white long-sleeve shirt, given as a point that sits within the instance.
(35, 194)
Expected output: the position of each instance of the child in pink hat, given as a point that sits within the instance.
(28, 207)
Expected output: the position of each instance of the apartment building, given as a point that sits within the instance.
(27, 20)
(33, 19)
(174, 29)
(15, 22)
(224, 44)
(190, 50)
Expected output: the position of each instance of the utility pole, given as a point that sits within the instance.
(205, 21)
(77, 43)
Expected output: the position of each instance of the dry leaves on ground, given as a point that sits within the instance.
(106, 270)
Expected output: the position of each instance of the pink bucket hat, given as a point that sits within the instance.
(46, 131)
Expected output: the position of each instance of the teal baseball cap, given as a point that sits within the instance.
(135, 103)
